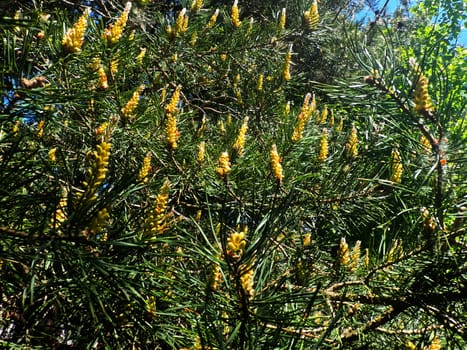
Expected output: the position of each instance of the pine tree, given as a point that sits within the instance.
(175, 175)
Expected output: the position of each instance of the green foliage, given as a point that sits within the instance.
(140, 208)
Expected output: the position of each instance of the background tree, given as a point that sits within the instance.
(181, 175)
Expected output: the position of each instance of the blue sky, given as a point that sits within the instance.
(463, 38)
(392, 6)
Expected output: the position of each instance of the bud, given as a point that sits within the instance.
(201, 152)
(213, 19)
(311, 16)
(282, 19)
(421, 97)
(240, 142)
(196, 5)
(323, 146)
(224, 164)
(234, 16)
(73, 39)
(396, 166)
(351, 146)
(259, 83)
(276, 164)
(114, 32)
(146, 167)
(286, 65)
(343, 254)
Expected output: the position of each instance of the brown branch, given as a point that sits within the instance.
(43, 237)
(364, 298)
(344, 284)
(350, 335)
(410, 331)
(301, 332)
(395, 261)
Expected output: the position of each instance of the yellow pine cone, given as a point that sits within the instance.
(171, 132)
(259, 83)
(40, 129)
(331, 119)
(145, 169)
(127, 110)
(201, 152)
(95, 63)
(311, 16)
(216, 277)
(224, 164)
(421, 97)
(355, 256)
(73, 39)
(15, 129)
(247, 280)
(324, 115)
(97, 171)
(114, 32)
(276, 164)
(343, 255)
(323, 147)
(340, 126)
(196, 5)
(102, 161)
(103, 131)
(199, 212)
(240, 142)
(282, 19)
(52, 154)
(158, 220)
(286, 67)
(307, 110)
(367, 257)
(213, 19)
(172, 107)
(306, 239)
(236, 243)
(426, 145)
(114, 66)
(140, 57)
(287, 109)
(181, 24)
(234, 16)
(103, 83)
(396, 166)
(351, 146)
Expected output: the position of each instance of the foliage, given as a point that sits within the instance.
(174, 176)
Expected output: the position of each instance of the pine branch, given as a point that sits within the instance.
(435, 143)
(42, 237)
(350, 335)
